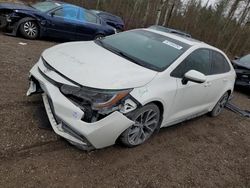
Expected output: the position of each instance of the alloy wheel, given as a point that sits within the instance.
(221, 104)
(30, 29)
(145, 125)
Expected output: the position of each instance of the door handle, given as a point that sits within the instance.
(207, 84)
(225, 80)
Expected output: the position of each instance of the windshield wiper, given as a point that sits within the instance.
(125, 55)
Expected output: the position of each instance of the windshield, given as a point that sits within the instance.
(148, 49)
(245, 60)
(45, 6)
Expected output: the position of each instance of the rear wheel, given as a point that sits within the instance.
(29, 30)
(147, 120)
(220, 105)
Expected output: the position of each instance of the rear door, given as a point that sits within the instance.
(62, 22)
(219, 77)
(88, 25)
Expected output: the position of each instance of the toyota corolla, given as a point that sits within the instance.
(127, 86)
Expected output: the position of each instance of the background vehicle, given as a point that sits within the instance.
(110, 19)
(127, 86)
(242, 68)
(53, 19)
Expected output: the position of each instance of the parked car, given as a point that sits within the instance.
(242, 68)
(127, 86)
(170, 30)
(110, 19)
(53, 19)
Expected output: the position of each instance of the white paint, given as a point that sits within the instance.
(91, 65)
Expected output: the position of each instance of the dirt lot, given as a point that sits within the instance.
(204, 152)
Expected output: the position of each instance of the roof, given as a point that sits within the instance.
(187, 40)
(169, 30)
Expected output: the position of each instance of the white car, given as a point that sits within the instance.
(126, 86)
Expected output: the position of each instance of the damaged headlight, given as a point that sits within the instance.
(97, 99)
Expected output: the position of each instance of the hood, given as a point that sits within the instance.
(93, 66)
(238, 64)
(15, 6)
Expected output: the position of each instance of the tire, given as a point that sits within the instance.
(147, 121)
(29, 30)
(99, 36)
(220, 105)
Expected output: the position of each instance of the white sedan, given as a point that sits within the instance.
(127, 86)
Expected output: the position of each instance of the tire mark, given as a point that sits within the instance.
(21, 104)
(33, 150)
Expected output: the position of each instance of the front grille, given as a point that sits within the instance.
(244, 77)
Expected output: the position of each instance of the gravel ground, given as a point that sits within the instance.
(204, 152)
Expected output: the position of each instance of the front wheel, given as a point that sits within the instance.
(147, 120)
(29, 30)
(220, 105)
(99, 36)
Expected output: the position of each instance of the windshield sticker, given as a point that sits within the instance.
(172, 44)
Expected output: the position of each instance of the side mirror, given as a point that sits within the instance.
(52, 14)
(194, 76)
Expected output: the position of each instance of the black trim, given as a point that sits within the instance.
(47, 65)
(57, 84)
(75, 134)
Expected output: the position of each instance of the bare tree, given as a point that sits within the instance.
(159, 11)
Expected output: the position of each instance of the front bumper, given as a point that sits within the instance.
(66, 118)
(243, 77)
(242, 83)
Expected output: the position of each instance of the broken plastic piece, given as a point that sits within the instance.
(236, 109)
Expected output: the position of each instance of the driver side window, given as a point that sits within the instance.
(199, 60)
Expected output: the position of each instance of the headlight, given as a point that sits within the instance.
(98, 99)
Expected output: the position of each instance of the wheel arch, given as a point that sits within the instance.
(28, 18)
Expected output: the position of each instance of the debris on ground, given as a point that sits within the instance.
(22, 43)
(236, 109)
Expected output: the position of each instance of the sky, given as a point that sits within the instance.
(211, 2)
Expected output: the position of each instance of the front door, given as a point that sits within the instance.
(191, 98)
(62, 23)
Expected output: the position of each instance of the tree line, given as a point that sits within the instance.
(225, 24)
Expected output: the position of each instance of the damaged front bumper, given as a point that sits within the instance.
(67, 119)
(243, 77)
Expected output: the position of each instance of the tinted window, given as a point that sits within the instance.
(220, 64)
(148, 49)
(86, 16)
(67, 12)
(199, 60)
(45, 6)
